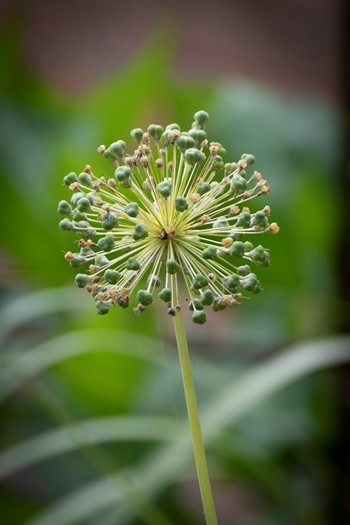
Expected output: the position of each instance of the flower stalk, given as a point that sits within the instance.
(194, 422)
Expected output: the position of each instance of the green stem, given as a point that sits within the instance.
(195, 426)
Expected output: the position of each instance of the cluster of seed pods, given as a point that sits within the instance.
(173, 210)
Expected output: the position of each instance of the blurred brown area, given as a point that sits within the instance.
(292, 45)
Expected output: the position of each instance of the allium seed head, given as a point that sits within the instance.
(173, 211)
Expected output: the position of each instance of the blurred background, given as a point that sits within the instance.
(89, 404)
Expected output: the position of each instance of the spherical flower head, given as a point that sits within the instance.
(172, 211)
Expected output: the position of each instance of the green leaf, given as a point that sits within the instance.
(18, 366)
(86, 433)
(66, 346)
(27, 308)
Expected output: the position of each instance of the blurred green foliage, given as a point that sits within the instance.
(275, 455)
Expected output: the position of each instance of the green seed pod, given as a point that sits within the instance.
(116, 150)
(201, 118)
(76, 197)
(223, 253)
(137, 134)
(199, 281)
(210, 253)
(81, 280)
(64, 208)
(144, 297)
(123, 301)
(250, 282)
(243, 270)
(199, 317)
(112, 276)
(102, 307)
(172, 126)
(217, 306)
(193, 155)
(164, 188)
(207, 297)
(237, 249)
(81, 225)
(153, 280)
(243, 220)
(106, 243)
(203, 187)
(155, 131)
(132, 209)
(231, 283)
(221, 151)
(109, 221)
(228, 168)
(258, 252)
(92, 196)
(66, 225)
(198, 135)
(195, 305)
(181, 204)
(172, 266)
(140, 232)
(126, 183)
(76, 260)
(260, 256)
(70, 178)
(132, 264)
(185, 142)
(122, 173)
(164, 141)
(172, 135)
(85, 178)
(85, 251)
(238, 183)
(248, 158)
(248, 246)
(83, 205)
(257, 287)
(266, 260)
(83, 229)
(221, 222)
(259, 219)
(79, 216)
(101, 260)
(165, 295)
(218, 163)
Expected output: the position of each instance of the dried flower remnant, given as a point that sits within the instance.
(173, 208)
